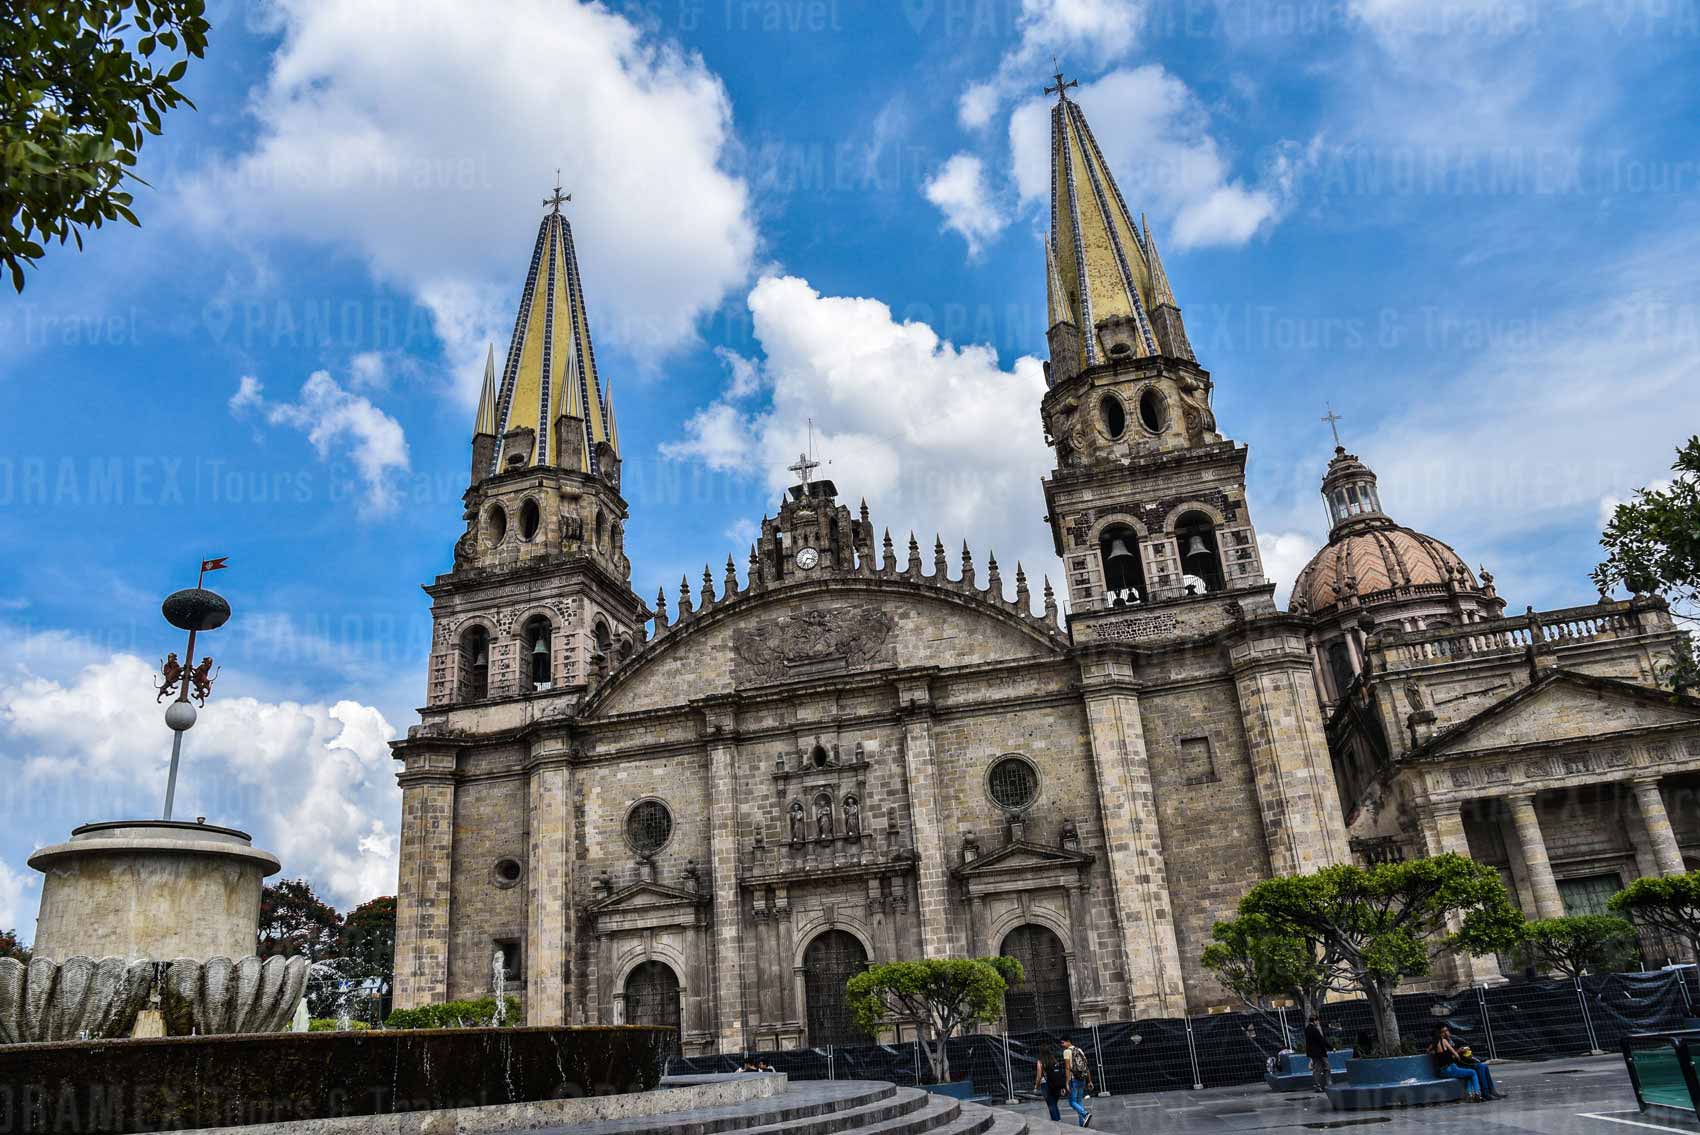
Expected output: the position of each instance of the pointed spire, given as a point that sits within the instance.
(485, 422)
(707, 587)
(967, 564)
(1050, 602)
(684, 597)
(731, 587)
(941, 568)
(551, 363)
(660, 607)
(1160, 290)
(1056, 297)
(914, 567)
(1023, 598)
(994, 582)
(890, 552)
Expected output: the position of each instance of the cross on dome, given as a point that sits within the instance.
(1334, 421)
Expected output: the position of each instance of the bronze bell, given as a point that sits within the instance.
(1196, 547)
(1119, 550)
(538, 646)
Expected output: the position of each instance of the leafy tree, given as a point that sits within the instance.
(1255, 961)
(938, 995)
(1579, 944)
(11, 947)
(368, 937)
(1385, 923)
(294, 920)
(476, 1013)
(1669, 903)
(82, 83)
(1653, 545)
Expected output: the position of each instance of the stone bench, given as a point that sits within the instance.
(1291, 1072)
(1395, 1081)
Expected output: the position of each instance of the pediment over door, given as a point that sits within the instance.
(1023, 866)
(648, 905)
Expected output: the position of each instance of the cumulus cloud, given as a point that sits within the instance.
(960, 191)
(15, 905)
(337, 423)
(1088, 33)
(1285, 554)
(1155, 135)
(932, 433)
(380, 120)
(313, 782)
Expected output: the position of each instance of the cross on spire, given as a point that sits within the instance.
(803, 468)
(1334, 421)
(1061, 87)
(558, 199)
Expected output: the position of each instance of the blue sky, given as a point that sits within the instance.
(1469, 225)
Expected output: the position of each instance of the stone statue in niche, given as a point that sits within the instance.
(796, 821)
(852, 817)
(823, 816)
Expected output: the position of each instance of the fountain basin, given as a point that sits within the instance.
(157, 889)
(115, 1087)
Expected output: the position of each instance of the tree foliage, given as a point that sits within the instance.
(11, 947)
(937, 995)
(1652, 545)
(1385, 923)
(1578, 944)
(476, 1013)
(1670, 903)
(1256, 961)
(82, 84)
(295, 921)
(367, 938)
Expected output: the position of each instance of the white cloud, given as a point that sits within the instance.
(1610, 503)
(1285, 554)
(380, 121)
(939, 438)
(1086, 33)
(959, 190)
(15, 906)
(1155, 135)
(313, 782)
(337, 422)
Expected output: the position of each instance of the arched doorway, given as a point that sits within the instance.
(652, 998)
(1041, 999)
(831, 959)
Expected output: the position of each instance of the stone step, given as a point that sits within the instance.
(975, 1119)
(936, 1112)
(1005, 1122)
(800, 1100)
(901, 1103)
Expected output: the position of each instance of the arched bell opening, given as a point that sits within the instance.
(1124, 576)
(601, 637)
(1201, 557)
(475, 661)
(537, 641)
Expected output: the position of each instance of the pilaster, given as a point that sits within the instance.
(423, 890)
(1133, 840)
(550, 911)
(720, 726)
(932, 895)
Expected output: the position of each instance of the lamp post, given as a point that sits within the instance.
(194, 609)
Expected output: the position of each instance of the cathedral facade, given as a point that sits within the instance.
(853, 748)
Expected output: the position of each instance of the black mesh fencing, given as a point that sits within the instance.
(1520, 1020)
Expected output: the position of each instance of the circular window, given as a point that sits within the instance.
(496, 523)
(1013, 783)
(649, 825)
(1113, 416)
(507, 872)
(1151, 414)
(529, 519)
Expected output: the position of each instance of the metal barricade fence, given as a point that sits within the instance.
(1518, 1020)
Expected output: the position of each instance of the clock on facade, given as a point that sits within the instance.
(807, 558)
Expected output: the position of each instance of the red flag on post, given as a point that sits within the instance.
(215, 564)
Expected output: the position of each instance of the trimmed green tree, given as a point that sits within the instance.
(1386, 923)
(1255, 962)
(939, 996)
(1652, 544)
(1669, 903)
(1578, 944)
(82, 84)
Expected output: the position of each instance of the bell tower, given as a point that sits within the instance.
(1147, 502)
(540, 594)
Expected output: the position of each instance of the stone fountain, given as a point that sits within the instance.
(148, 927)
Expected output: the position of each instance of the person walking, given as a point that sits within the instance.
(1079, 1080)
(1316, 1050)
(1051, 1078)
(1448, 1062)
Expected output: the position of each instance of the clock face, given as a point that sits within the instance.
(807, 558)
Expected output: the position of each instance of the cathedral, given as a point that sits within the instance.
(710, 812)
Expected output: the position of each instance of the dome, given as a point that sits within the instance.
(1376, 557)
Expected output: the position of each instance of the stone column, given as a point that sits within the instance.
(1080, 929)
(1529, 838)
(1288, 748)
(767, 948)
(932, 892)
(721, 723)
(550, 935)
(787, 949)
(1133, 841)
(422, 899)
(1443, 832)
(1659, 832)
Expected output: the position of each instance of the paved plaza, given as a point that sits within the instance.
(1589, 1096)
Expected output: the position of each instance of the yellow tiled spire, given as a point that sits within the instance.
(551, 365)
(1098, 258)
(485, 422)
(1160, 291)
(1055, 297)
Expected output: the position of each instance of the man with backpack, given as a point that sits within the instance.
(1079, 1080)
